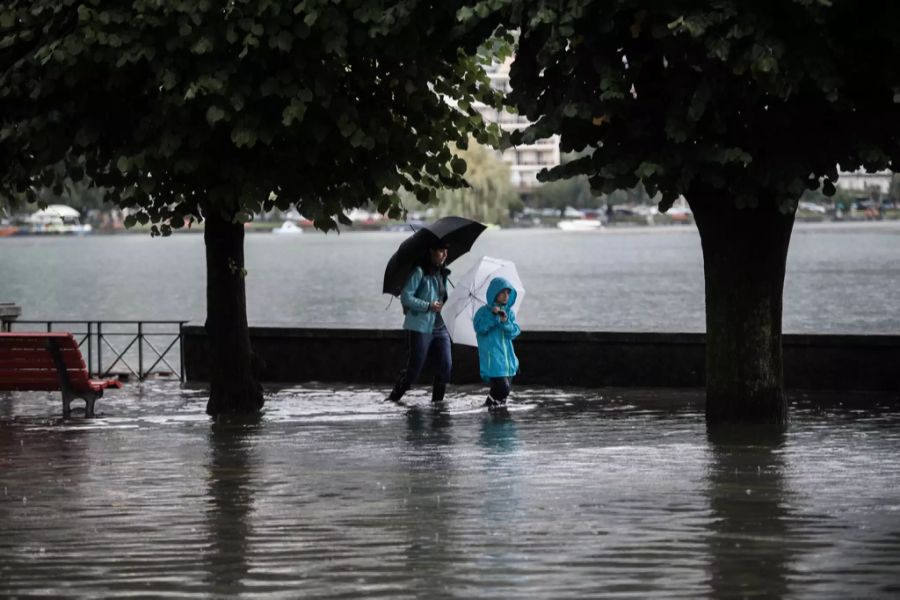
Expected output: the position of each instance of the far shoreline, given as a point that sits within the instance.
(626, 229)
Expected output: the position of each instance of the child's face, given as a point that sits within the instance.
(503, 297)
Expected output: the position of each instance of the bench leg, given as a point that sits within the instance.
(89, 399)
(67, 404)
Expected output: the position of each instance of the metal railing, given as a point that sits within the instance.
(137, 336)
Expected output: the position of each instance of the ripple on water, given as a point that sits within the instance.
(569, 494)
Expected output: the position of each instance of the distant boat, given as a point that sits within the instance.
(288, 228)
(56, 219)
(580, 225)
(408, 227)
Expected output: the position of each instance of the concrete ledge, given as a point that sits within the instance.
(557, 358)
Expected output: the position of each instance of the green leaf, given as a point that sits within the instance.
(294, 112)
(283, 40)
(243, 137)
(8, 18)
(459, 166)
(698, 102)
(647, 169)
(214, 114)
(202, 46)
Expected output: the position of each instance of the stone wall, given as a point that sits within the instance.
(558, 358)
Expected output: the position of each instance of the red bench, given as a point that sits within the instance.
(49, 361)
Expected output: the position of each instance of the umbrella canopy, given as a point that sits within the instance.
(456, 232)
(470, 294)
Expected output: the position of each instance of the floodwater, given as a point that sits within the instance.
(335, 494)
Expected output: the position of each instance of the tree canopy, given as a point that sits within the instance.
(489, 195)
(755, 102)
(740, 107)
(181, 107)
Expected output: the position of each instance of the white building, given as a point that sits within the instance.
(860, 181)
(524, 161)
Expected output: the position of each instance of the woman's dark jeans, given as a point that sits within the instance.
(433, 347)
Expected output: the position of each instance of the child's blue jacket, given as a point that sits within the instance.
(496, 357)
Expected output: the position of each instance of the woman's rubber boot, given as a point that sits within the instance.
(438, 391)
(396, 394)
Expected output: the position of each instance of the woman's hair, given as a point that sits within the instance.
(426, 264)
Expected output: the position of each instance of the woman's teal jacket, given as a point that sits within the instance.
(418, 294)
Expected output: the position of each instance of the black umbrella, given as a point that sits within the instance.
(456, 232)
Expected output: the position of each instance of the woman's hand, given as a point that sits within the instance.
(437, 306)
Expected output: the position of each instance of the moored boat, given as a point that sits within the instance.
(580, 225)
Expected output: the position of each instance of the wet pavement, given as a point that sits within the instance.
(333, 493)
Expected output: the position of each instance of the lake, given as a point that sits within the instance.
(840, 279)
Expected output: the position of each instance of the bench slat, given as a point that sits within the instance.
(29, 387)
(44, 380)
(42, 360)
(36, 340)
(25, 376)
(53, 386)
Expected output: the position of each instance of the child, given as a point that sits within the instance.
(496, 328)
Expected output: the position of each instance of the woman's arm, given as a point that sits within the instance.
(408, 295)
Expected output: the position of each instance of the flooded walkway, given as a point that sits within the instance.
(334, 494)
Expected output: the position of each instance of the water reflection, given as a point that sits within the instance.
(570, 496)
(429, 429)
(749, 547)
(429, 513)
(499, 434)
(230, 488)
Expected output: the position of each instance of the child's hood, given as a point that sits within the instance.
(497, 285)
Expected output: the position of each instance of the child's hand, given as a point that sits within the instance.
(502, 314)
(495, 309)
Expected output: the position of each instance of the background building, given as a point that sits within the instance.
(525, 161)
(860, 181)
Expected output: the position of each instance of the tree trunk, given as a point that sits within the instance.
(744, 257)
(232, 387)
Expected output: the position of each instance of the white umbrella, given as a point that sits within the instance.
(469, 295)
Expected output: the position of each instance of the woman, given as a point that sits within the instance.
(422, 298)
